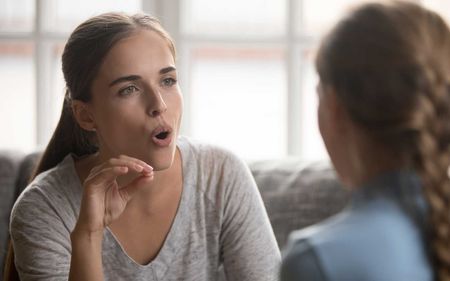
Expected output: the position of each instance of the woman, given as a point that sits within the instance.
(384, 101)
(118, 194)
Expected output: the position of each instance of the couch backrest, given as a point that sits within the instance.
(9, 171)
(298, 194)
(15, 171)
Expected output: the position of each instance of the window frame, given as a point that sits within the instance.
(169, 11)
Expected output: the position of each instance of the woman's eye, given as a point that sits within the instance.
(128, 90)
(167, 82)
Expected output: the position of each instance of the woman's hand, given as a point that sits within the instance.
(103, 199)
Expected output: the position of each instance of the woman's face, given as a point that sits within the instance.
(333, 128)
(136, 104)
(325, 118)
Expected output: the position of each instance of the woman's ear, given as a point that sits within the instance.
(83, 115)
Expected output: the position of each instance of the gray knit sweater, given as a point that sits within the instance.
(221, 226)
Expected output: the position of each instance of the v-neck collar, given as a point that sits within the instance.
(169, 249)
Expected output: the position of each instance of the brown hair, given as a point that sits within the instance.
(83, 55)
(390, 67)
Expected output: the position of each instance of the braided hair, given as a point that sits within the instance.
(389, 65)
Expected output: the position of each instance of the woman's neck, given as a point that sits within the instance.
(369, 158)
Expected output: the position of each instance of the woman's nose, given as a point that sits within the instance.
(157, 105)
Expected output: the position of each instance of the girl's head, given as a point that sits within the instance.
(388, 66)
(91, 41)
(121, 92)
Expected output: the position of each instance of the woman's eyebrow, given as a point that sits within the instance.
(167, 69)
(124, 78)
(137, 77)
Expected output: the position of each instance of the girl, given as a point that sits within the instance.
(118, 194)
(384, 108)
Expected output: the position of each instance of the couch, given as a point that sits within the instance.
(295, 194)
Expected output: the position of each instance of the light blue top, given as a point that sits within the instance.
(379, 237)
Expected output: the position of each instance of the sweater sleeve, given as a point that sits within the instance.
(248, 246)
(40, 238)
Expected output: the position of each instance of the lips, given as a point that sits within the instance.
(162, 136)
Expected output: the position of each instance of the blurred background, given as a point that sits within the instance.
(245, 68)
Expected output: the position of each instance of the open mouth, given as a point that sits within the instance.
(162, 135)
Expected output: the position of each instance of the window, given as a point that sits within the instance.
(238, 99)
(32, 36)
(245, 67)
(17, 15)
(17, 107)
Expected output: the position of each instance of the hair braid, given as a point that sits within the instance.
(432, 161)
(390, 66)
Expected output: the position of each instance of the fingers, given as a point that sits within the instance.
(133, 163)
(114, 167)
(103, 201)
(105, 175)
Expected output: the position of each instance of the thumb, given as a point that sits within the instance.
(130, 189)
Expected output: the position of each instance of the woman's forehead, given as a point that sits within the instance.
(142, 50)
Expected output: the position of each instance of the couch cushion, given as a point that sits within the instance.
(9, 170)
(26, 169)
(296, 194)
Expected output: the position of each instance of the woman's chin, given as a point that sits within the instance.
(160, 162)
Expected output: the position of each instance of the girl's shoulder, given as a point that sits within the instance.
(55, 190)
(206, 153)
(213, 169)
(378, 233)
